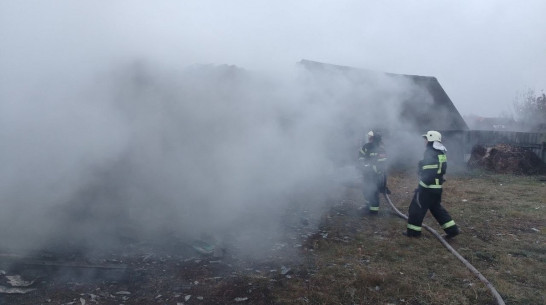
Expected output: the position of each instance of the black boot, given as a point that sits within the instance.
(411, 233)
(451, 232)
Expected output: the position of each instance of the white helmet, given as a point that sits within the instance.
(370, 133)
(433, 136)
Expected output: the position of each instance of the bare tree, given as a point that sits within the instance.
(530, 109)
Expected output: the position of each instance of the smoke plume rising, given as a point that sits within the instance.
(140, 152)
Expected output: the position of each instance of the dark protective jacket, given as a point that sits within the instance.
(373, 157)
(432, 169)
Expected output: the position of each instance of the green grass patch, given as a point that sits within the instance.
(366, 260)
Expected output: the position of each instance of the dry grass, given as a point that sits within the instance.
(359, 260)
(366, 260)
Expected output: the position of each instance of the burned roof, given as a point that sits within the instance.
(421, 103)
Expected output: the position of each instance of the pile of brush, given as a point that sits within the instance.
(506, 159)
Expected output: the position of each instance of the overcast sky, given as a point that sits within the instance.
(482, 52)
(111, 125)
(107, 112)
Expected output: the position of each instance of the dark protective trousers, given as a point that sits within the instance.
(371, 195)
(424, 200)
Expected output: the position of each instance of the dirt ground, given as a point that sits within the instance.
(151, 273)
(153, 278)
(343, 259)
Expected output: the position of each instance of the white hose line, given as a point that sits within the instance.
(454, 252)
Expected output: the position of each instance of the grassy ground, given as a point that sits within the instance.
(349, 259)
(366, 260)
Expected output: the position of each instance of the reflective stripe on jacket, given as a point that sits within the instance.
(432, 168)
(374, 156)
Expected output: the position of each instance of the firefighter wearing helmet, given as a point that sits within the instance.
(372, 158)
(428, 195)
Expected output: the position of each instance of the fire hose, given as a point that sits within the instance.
(454, 252)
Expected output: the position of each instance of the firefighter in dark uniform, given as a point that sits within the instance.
(372, 158)
(428, 195)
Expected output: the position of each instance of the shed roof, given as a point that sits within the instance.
(423, 102)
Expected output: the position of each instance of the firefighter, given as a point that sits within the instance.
(372, 158)
(428, 195)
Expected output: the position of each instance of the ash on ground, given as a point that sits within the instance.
(178, 272)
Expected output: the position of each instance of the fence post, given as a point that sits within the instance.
(543, 151)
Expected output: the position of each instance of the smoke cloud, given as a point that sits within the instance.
(143, 152)
(117, 128)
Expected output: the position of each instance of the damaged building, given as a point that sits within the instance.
(402, 106)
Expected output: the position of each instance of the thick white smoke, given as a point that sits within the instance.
(143, 152)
